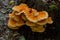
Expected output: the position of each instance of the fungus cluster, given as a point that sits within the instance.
(23, 15)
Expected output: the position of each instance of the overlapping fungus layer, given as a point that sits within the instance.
(23, 15)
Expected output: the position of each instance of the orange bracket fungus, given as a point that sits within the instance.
(38, 28)
(23, 15)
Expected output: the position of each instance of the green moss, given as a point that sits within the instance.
(53, 7)
(11, 2)
(22, 38)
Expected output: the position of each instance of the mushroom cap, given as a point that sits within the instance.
(11, 15)
(42, 22)
(20, 8)
(42, 15)
(14, 25)
(28, 23)
(11, 23)
(23, 6)
(34, 12)
(20, 23)
(13, 28)
(45, 21)
(49, 20)
(16, 8)
(31, 14)
(34, 16)
(15, 17)
(37, 28)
